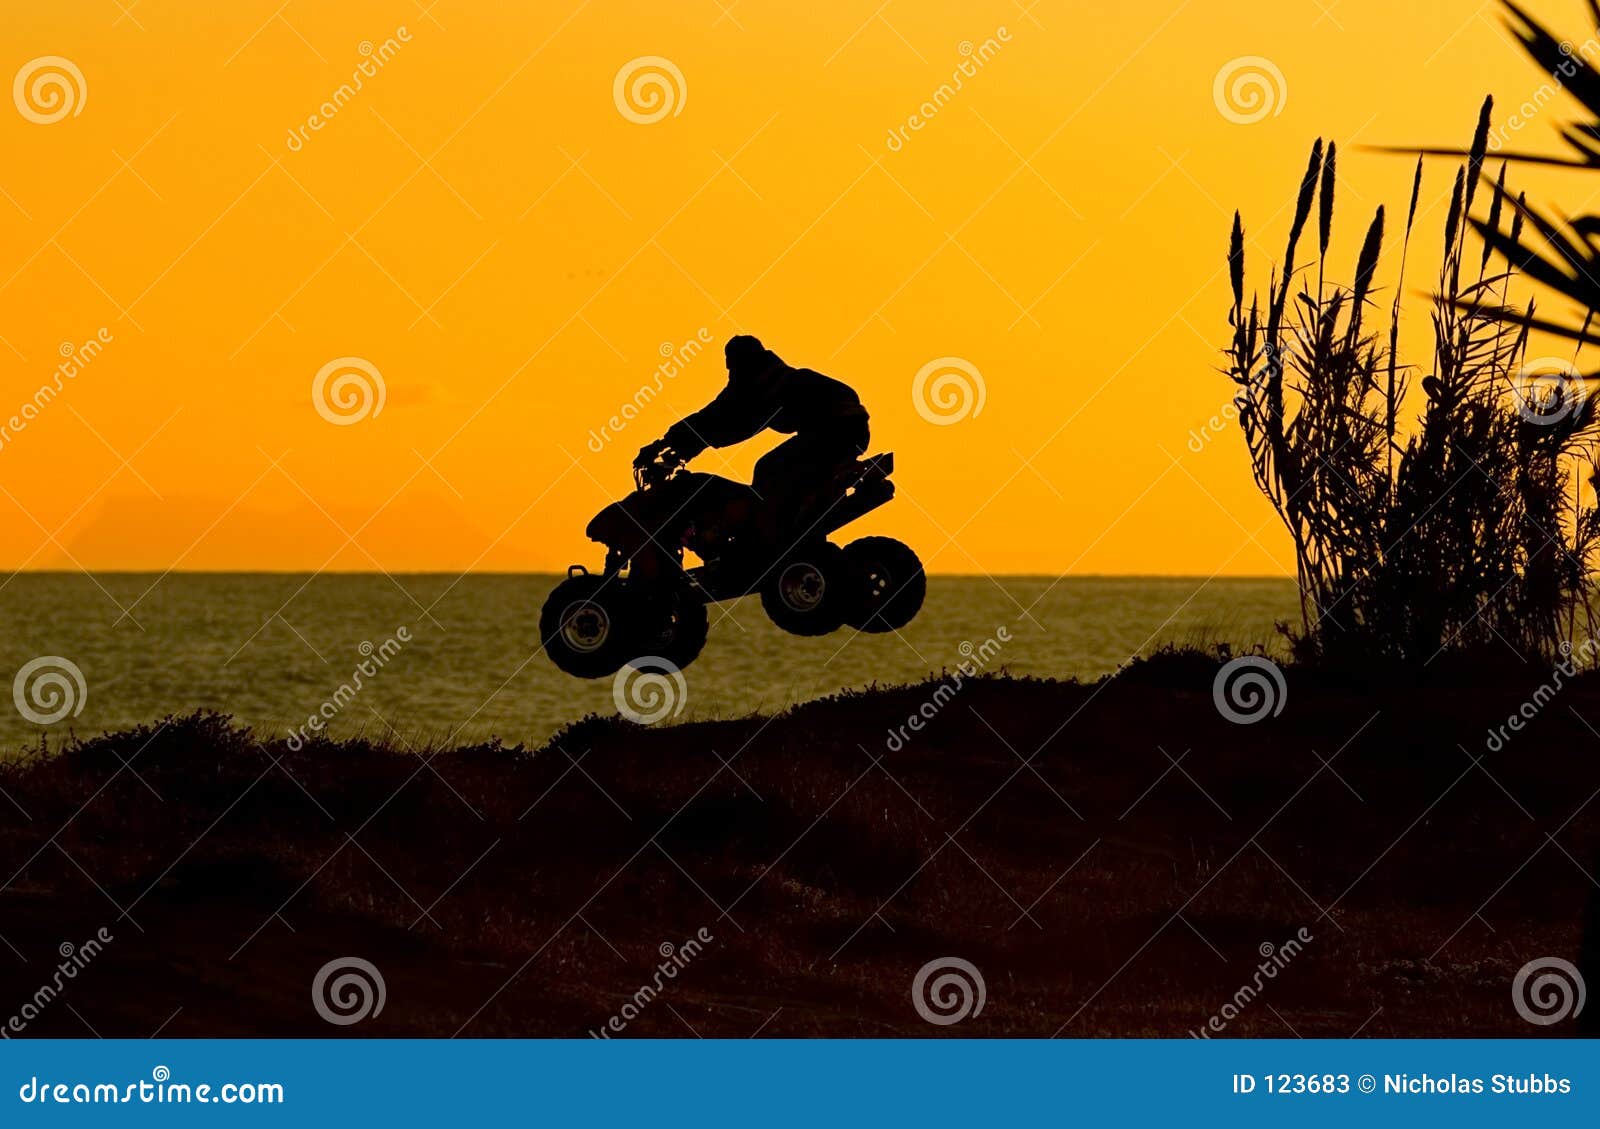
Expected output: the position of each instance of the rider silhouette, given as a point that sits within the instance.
(825, 418)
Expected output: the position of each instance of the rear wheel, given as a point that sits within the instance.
(805, 594)
(585, 626)
(887, 582)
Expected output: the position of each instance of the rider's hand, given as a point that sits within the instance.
(648, 453)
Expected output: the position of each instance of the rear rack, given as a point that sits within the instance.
(878, 465)
(872, 489)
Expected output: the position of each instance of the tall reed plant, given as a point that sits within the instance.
(1432, 509)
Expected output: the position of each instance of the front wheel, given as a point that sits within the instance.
(888, 584)
(585, 626)
(805, 594)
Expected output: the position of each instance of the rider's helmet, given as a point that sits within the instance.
(745, 355)
(750, 363)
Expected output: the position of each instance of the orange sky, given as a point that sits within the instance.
(509, 251)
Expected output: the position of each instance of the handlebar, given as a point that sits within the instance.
(653, 474)
(656, 463)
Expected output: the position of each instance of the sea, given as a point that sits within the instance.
(423, 660)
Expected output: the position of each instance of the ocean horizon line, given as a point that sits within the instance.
(933, 574)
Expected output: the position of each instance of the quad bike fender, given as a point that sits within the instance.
(621, 526)
(628, 525)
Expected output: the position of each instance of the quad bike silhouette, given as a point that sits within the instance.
(645, 602)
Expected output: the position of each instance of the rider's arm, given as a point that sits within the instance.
(728, 419)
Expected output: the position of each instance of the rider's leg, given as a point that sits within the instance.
(798, 468)
(777, 476)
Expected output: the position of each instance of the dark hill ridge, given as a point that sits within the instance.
(1125, 881)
